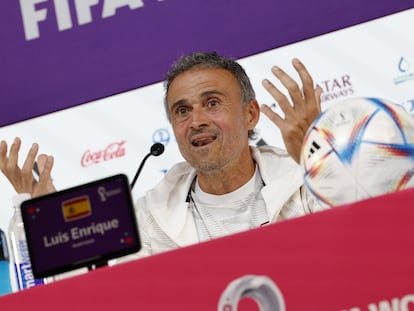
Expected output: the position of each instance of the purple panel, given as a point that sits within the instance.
(133, 48)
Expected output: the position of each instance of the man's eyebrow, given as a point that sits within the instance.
(211, 92)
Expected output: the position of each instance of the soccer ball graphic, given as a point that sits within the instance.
(357, 149)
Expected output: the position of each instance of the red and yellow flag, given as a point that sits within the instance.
(77, 208)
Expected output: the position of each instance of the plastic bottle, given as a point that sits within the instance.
(5, 285)
(20, 258)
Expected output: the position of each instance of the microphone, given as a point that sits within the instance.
(156, 150)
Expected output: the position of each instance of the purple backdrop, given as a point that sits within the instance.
(133, 48)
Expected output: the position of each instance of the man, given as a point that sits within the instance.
(224, 186)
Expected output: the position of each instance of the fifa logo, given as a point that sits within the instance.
(33, 15)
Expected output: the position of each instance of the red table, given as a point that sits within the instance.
(354, 257)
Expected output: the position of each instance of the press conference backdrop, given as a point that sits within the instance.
(112, 134)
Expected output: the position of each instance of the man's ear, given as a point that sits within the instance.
(252, 111)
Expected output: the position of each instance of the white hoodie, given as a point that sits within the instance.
(165, 222)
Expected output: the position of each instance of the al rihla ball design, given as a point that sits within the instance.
(357, 149)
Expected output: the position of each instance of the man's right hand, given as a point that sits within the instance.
(22, 178)
(299, 111)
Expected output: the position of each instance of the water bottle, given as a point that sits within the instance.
(5, 285)
(20, 257)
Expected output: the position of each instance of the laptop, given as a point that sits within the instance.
(83, 226)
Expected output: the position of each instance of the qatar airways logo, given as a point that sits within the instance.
(34, 12)
(112, 151)
(336, 88)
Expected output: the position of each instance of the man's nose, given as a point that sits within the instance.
(199, 117)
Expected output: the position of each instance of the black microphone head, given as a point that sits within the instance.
(157, 149)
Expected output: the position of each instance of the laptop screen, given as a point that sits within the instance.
(83, 226)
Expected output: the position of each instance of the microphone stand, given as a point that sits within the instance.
(139, 170)
(156, 150)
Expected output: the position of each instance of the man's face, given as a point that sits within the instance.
(209, 122)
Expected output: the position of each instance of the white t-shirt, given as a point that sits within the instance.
(220, 215)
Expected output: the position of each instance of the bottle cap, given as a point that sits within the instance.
(19, 198)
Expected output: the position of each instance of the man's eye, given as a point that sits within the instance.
(212, 103)
(181, 110)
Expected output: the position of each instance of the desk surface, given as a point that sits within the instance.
(356, 256)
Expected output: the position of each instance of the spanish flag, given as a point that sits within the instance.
(76, 208)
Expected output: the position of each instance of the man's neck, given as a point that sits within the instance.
(226, 181)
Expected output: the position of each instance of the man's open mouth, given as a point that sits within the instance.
(202, 141)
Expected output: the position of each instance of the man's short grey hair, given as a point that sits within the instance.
(210, 60)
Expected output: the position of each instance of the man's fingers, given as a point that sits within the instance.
(273, 116)
(14, 154)
(279, 97)
(3, 155)
(41, 161)
(305, 77)
(46, 167)
(45, 184)
(27, 167)
(290, 84)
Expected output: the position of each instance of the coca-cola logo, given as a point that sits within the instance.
(112, 151)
